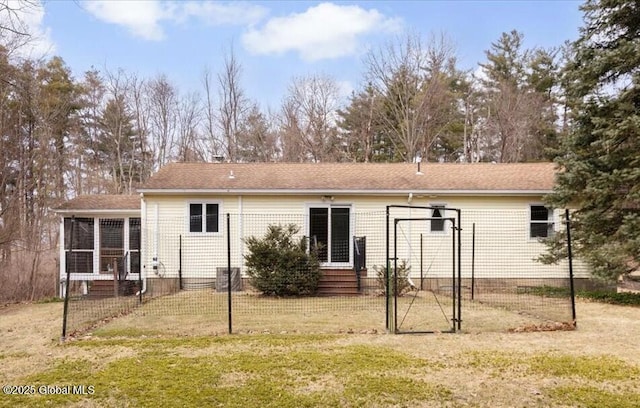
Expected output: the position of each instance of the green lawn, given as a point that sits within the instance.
(124, 364)
(319, 371)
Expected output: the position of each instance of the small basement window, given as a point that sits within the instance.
(541, 222)
(203, 217)
(437, 225)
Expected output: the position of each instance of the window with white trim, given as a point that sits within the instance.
(204, 217)
(540, 222)
(330, 231)
(81, 259)
(134, 244)
(98, 241)
(111, 233)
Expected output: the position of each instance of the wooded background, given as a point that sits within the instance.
(63, 134)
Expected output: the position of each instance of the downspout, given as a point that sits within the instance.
(63, 261)
(240, 231)
(410, 254)
(154, 261)
(143, 246)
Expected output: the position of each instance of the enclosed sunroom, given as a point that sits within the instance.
(100, 242)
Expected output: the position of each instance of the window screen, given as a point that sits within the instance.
(541, 223)
(203, 217)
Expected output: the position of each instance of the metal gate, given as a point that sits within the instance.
(423, 273)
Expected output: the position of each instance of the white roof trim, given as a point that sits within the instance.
(195, 191)
(100, 211)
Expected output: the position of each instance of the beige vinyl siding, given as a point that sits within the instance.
(503, 246)
(262, 211)
(202, 253)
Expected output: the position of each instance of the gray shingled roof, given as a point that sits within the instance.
(353, 177)
(102, 202)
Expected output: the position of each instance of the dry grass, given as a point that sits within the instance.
(206, 312)
(141, 364)
(20, 283)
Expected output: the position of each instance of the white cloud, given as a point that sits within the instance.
(145, 18)
(140, 17)
(321, 32)
(480, 75)
(29, 18)
(238, 13)
(345, 89)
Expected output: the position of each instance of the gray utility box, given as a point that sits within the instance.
(222, 279)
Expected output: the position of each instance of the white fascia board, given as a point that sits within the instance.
(91, 212)
(345, 192)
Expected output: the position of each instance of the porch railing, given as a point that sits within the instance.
(120, 268)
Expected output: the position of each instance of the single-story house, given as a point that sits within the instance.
(175, 227)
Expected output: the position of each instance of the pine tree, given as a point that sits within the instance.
(520, 105)
(116, 146)
(361, 130)
(600, 159)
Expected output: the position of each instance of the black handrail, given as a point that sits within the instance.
(359, 258)
(120, 279)
(124, 271)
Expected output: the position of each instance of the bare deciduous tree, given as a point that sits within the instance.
(215, 146)
(413, 80)
(163, 103)
(9, 169)
(190, 142)
(139, 105)
(309, 116)
(14, 31)
(234, 105)
(512, 118)
(120, 143)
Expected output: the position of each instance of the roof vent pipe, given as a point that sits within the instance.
(231, 175)
(418, 160)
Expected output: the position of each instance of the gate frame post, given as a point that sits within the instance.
(456, 287)
(67, 284)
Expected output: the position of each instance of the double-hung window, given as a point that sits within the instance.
(540, 222)
(204, 217)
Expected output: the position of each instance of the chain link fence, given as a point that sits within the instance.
(323, 271)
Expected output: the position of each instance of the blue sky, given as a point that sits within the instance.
(275, 41)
